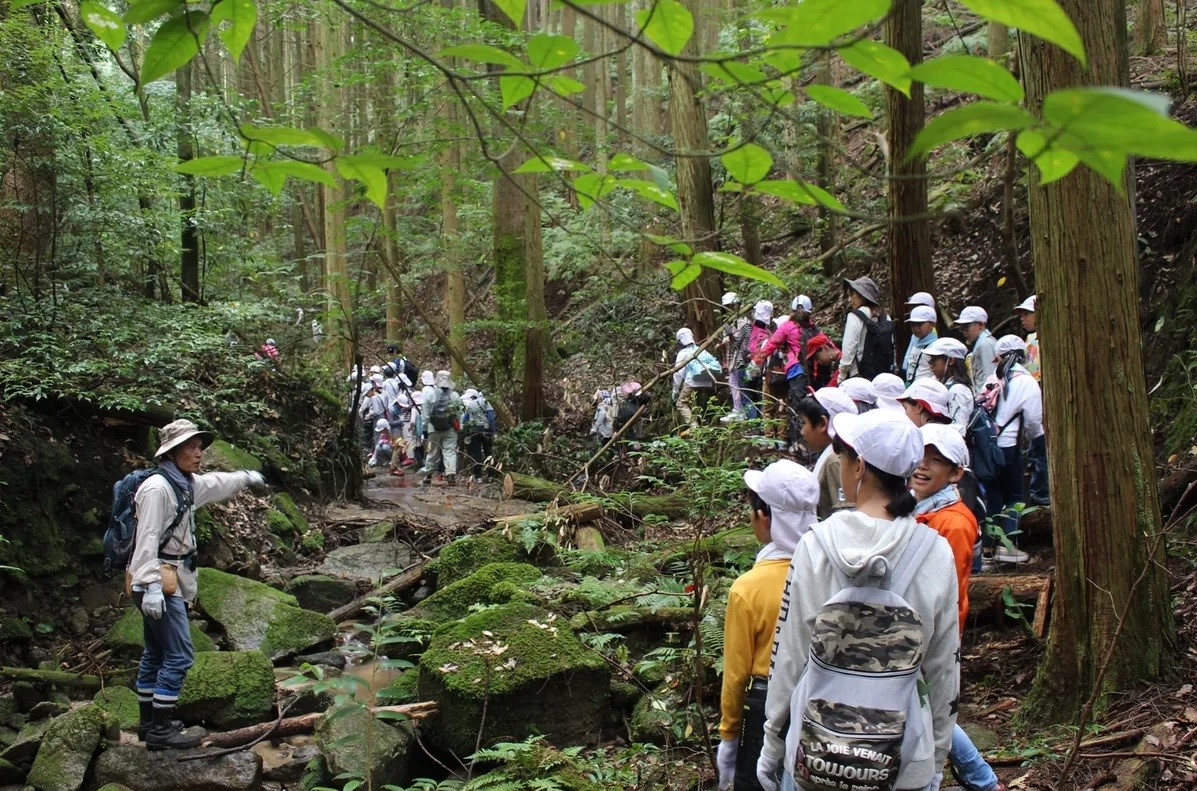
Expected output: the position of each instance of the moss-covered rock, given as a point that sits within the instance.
(312, 542)
(226, 457)
(541, 763)
(283, 502)
(321, 592)
(121, 705)
(132, 766)
(67, 748)
(228, 689)
(114, 787)
(14, 630)
(371, 562)
(376, 533)
(127, 635)
(468, 554)
(404, 689)
(255, 616)
(27, 743)
(354, 742)
(494, 583)
(521, 666)
(278, 524)
(659, 715)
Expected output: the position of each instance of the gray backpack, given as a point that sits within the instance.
(859, 702)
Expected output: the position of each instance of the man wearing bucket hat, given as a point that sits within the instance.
(783, 497)
(162, 573)
(922, 334)
(974, 321)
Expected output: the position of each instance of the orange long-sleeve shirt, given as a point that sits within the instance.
(748, 629)
(957, 524)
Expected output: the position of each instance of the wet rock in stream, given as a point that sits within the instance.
(135, 767)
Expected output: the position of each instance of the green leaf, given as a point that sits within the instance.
(484, 53)
(813, 23)
(674, 244)
(879, 61)
(363, 170)
(514, 9)
(174, 44)
(1118, 120)
(732, 72)
(515, 88)
(785, 189)
(290, 136)
(591, 187)
(563, 86)
(210, 166)
(838, 100)
(668, 24)
(969, 74)
(649, 190)
(684, 277)
(241, 15)
(824, 198)
(733, 264)
(1042, 18)
(748, 163)
(550, 164)
(546, 52)
(272, 175)
(1053, 163)
(968, 120)
(622, 161)
(104, 22)
(141, 11)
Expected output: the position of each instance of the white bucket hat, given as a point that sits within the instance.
(887, 441)
(730, 298)
(763, 311)
(685, 337)
(889, 389)
(176, 433)
(381, 424)
(859, 389)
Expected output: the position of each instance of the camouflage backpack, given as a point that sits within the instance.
(859, 697)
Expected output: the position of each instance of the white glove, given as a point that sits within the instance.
(256, 479)
(725, 759)
(153, 603)
(768, 773)
(935, 782)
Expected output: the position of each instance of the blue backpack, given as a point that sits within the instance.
(981, 438)
(122, 525)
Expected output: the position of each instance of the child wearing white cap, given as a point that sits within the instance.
(945, 358)
(922, 334)
(973, 320)
(889, 388)
(783, 498)
(926, 401)
(695, 375)
(862, 393)
(878, 452)
(816, 413)
(1030, 323)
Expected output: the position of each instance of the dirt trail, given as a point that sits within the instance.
(439, 506)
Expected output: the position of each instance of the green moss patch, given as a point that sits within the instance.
(121, 704)
(255, 616)
(127, 635)
(283, 502)
(404, 689)
(494, 583)
(67, 748)
(466, 555)
(228, 689)
(226, 457)
(354, 742)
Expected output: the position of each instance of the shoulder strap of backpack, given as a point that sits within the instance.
(865, 318)
(182, 506)
(917, 548)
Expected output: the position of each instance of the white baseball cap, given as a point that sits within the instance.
(921, 298)
(792, 493)
(921, 313)
(762, 311)
(1010, 343)
(376, 380)
(836, 402)
(887, 441)
(972, 314)
(730, 298)
(381, 423)
(859, 389)
(947, 441)
(946, 347)
(1027, 305)
(928, 393)
(801, 301)
(685, 337)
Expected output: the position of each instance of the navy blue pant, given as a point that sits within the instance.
(1005, 492)
(1037, 456)
(168, 653)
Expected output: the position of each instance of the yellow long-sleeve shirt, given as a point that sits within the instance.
(752, 606)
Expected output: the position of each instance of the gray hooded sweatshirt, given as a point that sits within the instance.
(854, 538)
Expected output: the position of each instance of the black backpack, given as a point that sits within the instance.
(121, 534)
(878, 355)
(442, 410)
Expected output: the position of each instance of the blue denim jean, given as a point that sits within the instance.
(971, 769)
(735, 382)
(1037, 456)
(168, 652)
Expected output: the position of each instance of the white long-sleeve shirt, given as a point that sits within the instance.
(981, 360)
(156, 504)
(1021, 403)
(853, 345)
(812, 581)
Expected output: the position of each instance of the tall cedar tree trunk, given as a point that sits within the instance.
(189, 237)
(450, 250)
(1105, 505)
(1150, 32)
(536, 337)
(694, 191)
(999, 39)
(827, 129)
(385, 108)
(908, 242)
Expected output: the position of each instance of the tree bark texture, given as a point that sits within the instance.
(189, 231)
(536, 334)
(999, 39)
(1103, 489)
(908, 241)
(688, 118)
(1150, 33)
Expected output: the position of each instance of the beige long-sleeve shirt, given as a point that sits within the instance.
(156, 504)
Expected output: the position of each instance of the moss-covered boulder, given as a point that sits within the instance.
(375, 533)
(226, 457)
(371, 562)
(228, 689)
(404, 689)
(659, 716)
(468, 554)
(284, 504)
(354, 742)
(127, 635)
(13, 630)
(27, 743)
(321, 592)
(121, 705)
(524, 669)
(494, 583)
(114, 787)
(132, 766)
(255, 616)
(67, 748)
(543, 765)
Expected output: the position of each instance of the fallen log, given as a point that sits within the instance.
(304, 724)
(538, 490)
(574, 514)
(985, 591)
(408, 578)
(63, 678)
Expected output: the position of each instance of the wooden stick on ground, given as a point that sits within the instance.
(305, 723)
(406, 579)
(62, 678)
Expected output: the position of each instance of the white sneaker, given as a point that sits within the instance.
(988, 565)
(1004, 554)
(732, 416)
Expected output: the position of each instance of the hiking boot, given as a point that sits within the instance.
(168, 734)
(1004, 554)
(147, 717)
(450, 480)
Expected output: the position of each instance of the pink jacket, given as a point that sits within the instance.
(791, 336)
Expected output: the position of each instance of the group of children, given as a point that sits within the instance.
(405, 426)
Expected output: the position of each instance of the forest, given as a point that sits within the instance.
(237, 212)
